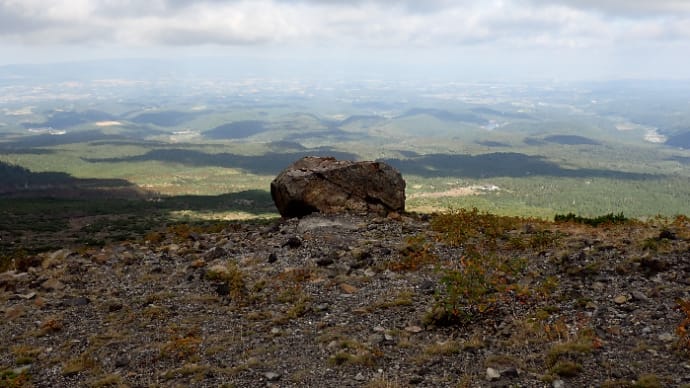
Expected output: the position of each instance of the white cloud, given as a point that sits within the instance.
(322, 22)
(503, 30)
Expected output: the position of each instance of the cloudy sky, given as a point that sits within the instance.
(463, 39)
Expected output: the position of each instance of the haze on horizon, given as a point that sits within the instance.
(498, 40)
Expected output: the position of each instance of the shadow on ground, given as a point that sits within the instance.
(268, 164)
(499, 164)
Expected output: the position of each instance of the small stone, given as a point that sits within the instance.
(121, 361)
(198, 263)
(388, 337)
(324, 261)
(370, 273)
(376, 339)
(80, 301)
(223, 289)
(511, 372)
(348, 289)
(414, 329)
(492, 374)
(215, 253)
(360, 377)
(52, 284)
(29, 295)
(637, 295)
(666, 337)
(272, 376)
(427, 287)
(667, 234)
(21, 369)
(275, 331)
(620, 299)
(558, 384)
(293, 242)
(379, 329)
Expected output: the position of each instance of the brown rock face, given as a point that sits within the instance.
(327, 185)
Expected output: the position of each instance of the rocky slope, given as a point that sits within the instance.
(352, 300)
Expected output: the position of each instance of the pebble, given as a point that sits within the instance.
(21, 369)
(376, 339)
(414, 329)
(324, 261)
(79, 301)
(29, 295)
(637, 295)
(666, 337)
(293, 242)
(360, 377)
(558, 384)
(272, 376)
(348, 289)
(492, 374)
(52, 284)
(620, 299)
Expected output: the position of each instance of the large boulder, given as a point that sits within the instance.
(326, 185)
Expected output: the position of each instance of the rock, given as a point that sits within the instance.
(427, 287)
(223, 289)
(638, 295)
(668, 235)
(272, 376)
(492, 374)
(511, 373)
(326, 185)
(376, 339)
(324, 261)
(21, 369)
(620, 299)
(414, 329)
(558, 384)
(348, 289)
(360, 377)
(79, 301)
(216, 253)
(293, 242)
(29, 295)
(121, 361)
(10, 278)
(52, 284)
(666, 337)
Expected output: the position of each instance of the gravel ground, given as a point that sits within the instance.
(331, 301)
